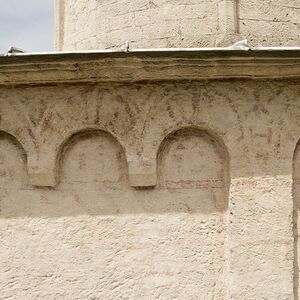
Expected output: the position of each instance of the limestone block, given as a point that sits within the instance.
(40, 173)
(142, 173)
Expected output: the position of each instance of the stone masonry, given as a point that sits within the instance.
(108, 24)
(152, 174)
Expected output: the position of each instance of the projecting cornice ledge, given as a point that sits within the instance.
(154, 65)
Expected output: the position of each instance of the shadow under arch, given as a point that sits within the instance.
(87, 133)
(14, 140)
(296, 209)
(7, 136)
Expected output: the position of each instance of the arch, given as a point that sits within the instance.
(171, 133)
(156, 136)
(10, 136)
(9, 175)
(67, 136)
(87, 136)
(193, 178)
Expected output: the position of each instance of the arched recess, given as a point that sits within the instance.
(13, 161)
(178, 150)
(296, 216)
(92, 157)
(193, 175)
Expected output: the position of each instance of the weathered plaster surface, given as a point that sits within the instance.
(88, 25)
(211, 217)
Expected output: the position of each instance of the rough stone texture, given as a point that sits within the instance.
(143, 66)
(216, 225)
(94, 24)
(270, 22)
(109, 24)
(131, 176)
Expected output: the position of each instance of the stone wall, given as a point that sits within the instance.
(93, 24)
(271, 22)
(149, 191)
(109, 24)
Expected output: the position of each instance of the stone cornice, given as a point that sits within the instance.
(135, 66)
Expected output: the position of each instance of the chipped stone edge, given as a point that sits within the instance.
(148, 65)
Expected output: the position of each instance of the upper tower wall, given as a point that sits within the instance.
(108, 24)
